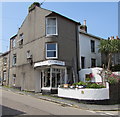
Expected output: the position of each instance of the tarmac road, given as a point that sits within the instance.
(16, 104)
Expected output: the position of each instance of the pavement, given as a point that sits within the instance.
(66, 102)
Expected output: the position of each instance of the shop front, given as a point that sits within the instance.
(52, 74)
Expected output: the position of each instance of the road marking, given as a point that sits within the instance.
(109, 114)
(102, 114)
(91, 111)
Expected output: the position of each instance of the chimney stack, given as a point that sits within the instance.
(112, 37)
(83, 27)
(32, 6)
(85, 22)
(117, 37)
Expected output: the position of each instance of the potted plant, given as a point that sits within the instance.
(66, 85)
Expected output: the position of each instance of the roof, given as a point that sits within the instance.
(90, 35)
(5, 53)
(64, 17)
(13, 36)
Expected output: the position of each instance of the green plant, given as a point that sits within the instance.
(115, 67)
(94, 85)
(109, 47)
(82, 83)
(75, 84)
(34, 4)
(87, 79)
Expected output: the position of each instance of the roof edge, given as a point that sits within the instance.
(99, 38)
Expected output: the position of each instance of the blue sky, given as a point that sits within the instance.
(102, 17)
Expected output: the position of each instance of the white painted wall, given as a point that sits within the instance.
(85, 50)
(95, 71)
(84, 94)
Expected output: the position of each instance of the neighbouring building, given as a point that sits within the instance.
(88, 49)
(43, 54)
(115, 57)
(4, 68)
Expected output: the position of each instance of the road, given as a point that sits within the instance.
(16, 104)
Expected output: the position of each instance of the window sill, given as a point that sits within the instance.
(13, 65)
(93, 52)
(54, 35)
(47, 58)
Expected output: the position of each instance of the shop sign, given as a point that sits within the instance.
(49, 62)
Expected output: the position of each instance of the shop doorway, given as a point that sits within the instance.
(52, 77)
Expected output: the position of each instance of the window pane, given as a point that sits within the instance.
(51, 30)
(51, 46)
(92, 46)
(13, 43)
(51, 54)
(51, 26)
(93, 62)
(51, 21)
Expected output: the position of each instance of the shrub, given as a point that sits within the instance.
(94, 85)
(89, 85)
(82, 83)
(115, 67)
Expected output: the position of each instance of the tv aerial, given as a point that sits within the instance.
(42, 2)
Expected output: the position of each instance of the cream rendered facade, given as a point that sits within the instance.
(33, 48)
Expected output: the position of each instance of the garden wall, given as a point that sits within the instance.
(84, 94)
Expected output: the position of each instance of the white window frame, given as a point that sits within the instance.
(21, 39)
(4, 75)
(51, 50)
(47, 26)
(13, 43)
(14, 78)
(5, 60)
(13, 60)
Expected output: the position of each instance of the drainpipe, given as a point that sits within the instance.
(77, 52)
(9, 68)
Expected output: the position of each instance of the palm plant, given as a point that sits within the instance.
(108, 47)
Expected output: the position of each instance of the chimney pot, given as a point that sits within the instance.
(85, 22)
(117, 37)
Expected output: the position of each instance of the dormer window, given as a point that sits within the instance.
(21, 36)
(13, 43)
(14, 60)
(5, 60)
(51, 26)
